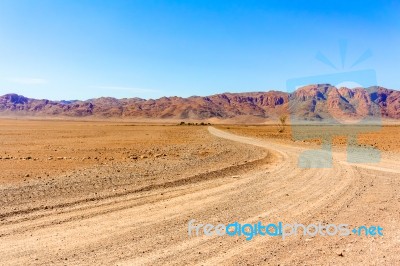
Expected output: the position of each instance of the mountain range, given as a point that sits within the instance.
(312, 102)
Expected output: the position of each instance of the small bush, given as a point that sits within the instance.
(282, 120)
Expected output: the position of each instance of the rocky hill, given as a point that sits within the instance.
(313, 102)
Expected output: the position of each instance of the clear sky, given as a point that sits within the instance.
(81, 49)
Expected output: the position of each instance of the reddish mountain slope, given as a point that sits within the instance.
(314, 102)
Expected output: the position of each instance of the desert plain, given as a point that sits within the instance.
(119, 193)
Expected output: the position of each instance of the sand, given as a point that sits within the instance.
(123, 193)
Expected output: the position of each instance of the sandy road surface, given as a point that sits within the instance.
(150, 227)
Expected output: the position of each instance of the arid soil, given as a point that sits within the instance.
(120, 193)
(383, 137)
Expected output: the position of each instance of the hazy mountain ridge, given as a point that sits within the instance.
(313, 102)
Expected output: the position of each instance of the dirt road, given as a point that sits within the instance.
(150, 226)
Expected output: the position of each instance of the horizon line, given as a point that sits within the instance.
(182, 97)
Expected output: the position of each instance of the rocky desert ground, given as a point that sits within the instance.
(119, 193)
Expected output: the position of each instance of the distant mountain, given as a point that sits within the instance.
(313, 102)
(325, 102)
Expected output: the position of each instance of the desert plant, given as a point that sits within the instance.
(282, 123)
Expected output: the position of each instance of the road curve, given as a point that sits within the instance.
(150, 227)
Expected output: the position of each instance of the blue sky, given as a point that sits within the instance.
(67, 49)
